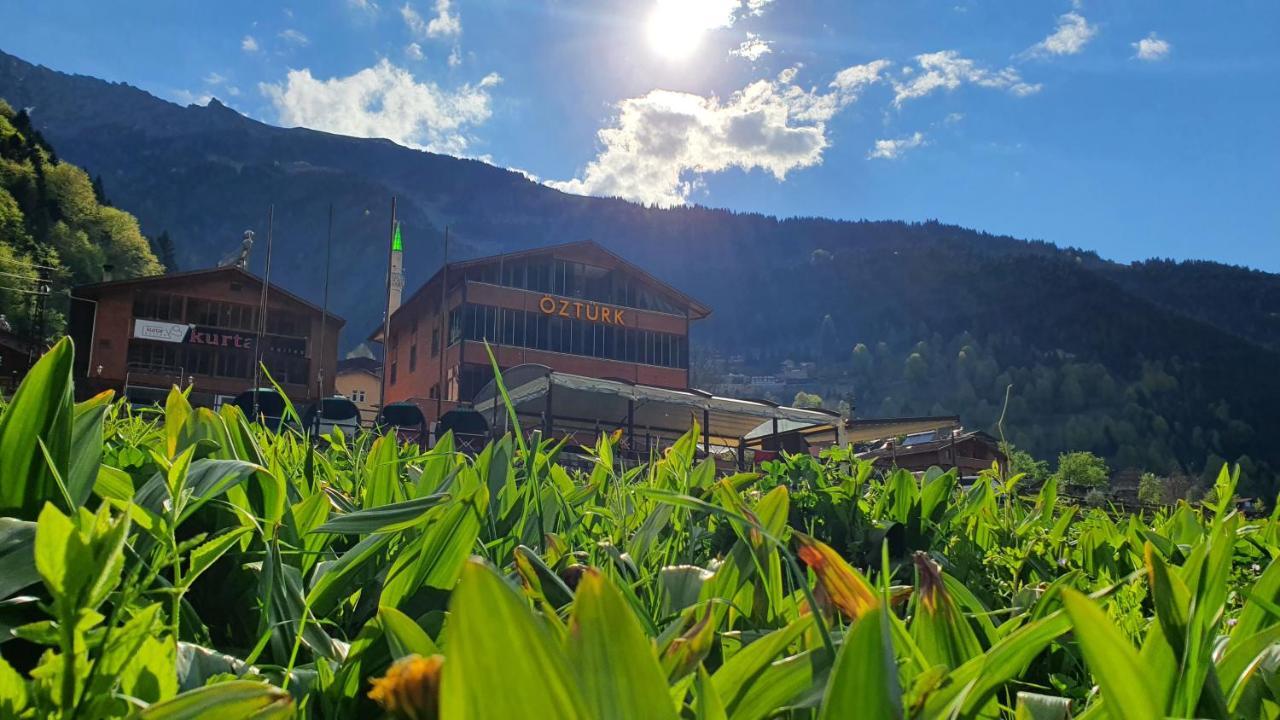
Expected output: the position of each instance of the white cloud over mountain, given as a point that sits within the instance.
(660, 141)
(384, 101)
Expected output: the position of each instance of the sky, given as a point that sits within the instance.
(1136, 129)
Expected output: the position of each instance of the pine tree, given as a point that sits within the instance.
(163, 248)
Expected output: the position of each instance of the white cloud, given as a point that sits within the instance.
(1152, 48)
(368, 6)
(455, 56)
(384, 101)
(186, 97)
(753, 48)
(249, 44)
(1070, 37)
(893, 149)
(413, 51)
(214, 78)
(295, 37)
(444, 24)
(662, 142)
(947, 70)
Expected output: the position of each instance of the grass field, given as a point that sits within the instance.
(188, 564)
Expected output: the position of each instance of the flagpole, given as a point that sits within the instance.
(386, 316)
(324, 322)
(444, 327)
(262, 314)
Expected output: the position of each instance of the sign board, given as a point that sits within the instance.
(582, 310)
(161, 331)
(217, 337)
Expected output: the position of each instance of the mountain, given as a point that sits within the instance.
(1163, 366)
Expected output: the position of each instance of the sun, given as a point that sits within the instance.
(674, 31)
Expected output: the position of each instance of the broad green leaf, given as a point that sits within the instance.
(736, 675)
(864, 682)
(404, 636)
(382, 519)
(86, 446)
(40, 412)
(502, 663)
(341, 578)
(612, 657)
(1112, 660)
(208, 552)
(17, 556)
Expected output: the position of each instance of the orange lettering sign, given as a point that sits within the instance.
(580, 310)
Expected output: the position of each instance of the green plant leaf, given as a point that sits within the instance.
(611, 656)
(382, 519)
(40, 412)
(1112, 660)
(864, 682)
(404, 636)
(501, 662)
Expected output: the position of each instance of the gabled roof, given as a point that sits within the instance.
(95, 289)
(696, 309)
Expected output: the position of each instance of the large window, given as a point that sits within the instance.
(574, 279)
(178, 359)
(537, 331)
(216, 314)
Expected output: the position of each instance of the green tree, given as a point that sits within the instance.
(1021, 461)
(807, 400)
(1151, 489)
(1082, 469)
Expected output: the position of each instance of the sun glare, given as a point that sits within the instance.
(674, 31)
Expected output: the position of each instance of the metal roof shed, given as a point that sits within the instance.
(570, 403)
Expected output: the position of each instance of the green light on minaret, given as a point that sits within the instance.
(396, 245)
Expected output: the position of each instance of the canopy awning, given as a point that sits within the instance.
(577, 402)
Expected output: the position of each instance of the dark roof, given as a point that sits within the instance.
(359, 364)
(95, 289)
(698, 309)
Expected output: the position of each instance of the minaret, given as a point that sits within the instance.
(397, 272)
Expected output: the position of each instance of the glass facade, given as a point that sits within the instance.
(285, 349)
(539, 331)
(165, 358)
(170, 307)
(575, 280)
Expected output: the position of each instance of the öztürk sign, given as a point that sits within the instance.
(579, 310)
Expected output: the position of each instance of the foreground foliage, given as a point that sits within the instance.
(186, 563)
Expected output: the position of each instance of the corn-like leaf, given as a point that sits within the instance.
(404, 636)
(864, 682)
(40, 412)
(611, 656)
(1112, 660)
(501, 663)
(382, 519)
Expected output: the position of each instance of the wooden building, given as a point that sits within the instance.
(573, 308)
(969, 452)
(144, 335)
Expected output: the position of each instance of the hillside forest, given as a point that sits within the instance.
(57, 230)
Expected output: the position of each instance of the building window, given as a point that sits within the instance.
(435, 391)
(435, 342)
(357, 396)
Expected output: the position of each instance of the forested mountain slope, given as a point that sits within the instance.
(1158, 365)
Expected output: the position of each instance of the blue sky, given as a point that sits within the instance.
(1137, 129)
